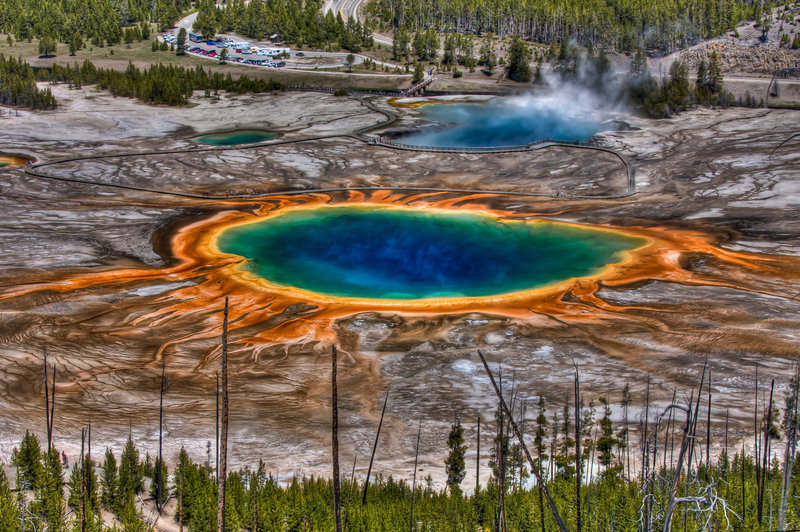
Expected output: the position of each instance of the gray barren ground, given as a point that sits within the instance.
(709, 172)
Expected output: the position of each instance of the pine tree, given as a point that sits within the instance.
(47, 46)
(28, 461)
(130, 473)
(182, 471)
(181, 49)
(9, 512)
(541, 456)
(51, 493)
(607, 442)
(701, 82)
(714, 75)
(678, 86)
(454, 464)
(83, 483)
(518, 68)
(159, 479)
(638, 69)
(132, 518)
(110, 484)
(75, 43)
(206, 21)
(419, 74)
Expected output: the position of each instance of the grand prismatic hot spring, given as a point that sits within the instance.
(401, 253)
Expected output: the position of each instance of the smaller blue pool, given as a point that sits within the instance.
(513, 121)
(233, 138)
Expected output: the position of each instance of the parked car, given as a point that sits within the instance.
(299, 54)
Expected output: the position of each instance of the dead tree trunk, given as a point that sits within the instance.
(337, 496)
(765, 461)
(478, 458)
(47, 403)
(667, 434)
(83, 483)
(411, 526)
(693, 434)
(727, 458)
(708, 430)
(374, 448)
(223, 448)
(256, 486)
(52, 408)
(678, 469)
(536, 472)
(159, 461)
(672, 433)
(744, 493)
(646, 428)
(792, 420)
(216, 442)
(502, 444)
(757, 438)
(578, 460)
(646, 457)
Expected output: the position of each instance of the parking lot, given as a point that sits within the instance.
(296, 60)
(243, 53)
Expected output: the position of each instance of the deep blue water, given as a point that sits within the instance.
(504, 122)
(390, 253)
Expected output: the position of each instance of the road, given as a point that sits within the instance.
(349, 9)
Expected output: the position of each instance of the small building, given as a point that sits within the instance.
(274, 37)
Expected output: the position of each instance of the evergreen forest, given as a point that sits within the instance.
(18, 86)
(99, 21)
(616, 25)
(158, 84)
(571, 466)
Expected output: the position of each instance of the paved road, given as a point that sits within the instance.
(349, 9)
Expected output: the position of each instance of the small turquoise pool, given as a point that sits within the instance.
(232, 138)
(399, 253)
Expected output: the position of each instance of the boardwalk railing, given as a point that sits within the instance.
(475, 149)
